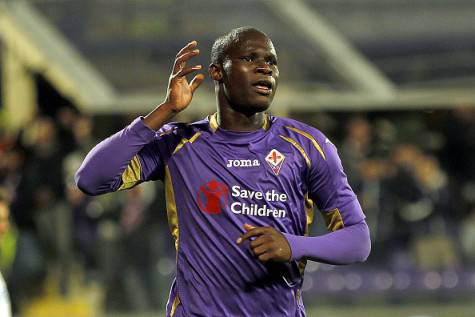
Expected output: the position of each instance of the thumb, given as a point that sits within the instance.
(248, 227)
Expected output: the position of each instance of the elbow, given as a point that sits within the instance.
(365, 244)
(364, 254)
(84, 183)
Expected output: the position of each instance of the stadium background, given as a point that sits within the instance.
(391, 82)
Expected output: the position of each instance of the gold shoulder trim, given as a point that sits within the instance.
(298, 147)
(311, 138)
(131, 175)
(185, 140)
(333, 220)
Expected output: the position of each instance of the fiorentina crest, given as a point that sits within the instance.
(275, 159)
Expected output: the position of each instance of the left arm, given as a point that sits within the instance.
(345, 246)
(349, 239)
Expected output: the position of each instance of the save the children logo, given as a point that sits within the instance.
(213, 197)
(275, 159)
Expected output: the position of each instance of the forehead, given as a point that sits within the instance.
(250, 42)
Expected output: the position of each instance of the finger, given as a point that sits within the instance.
(187, 47)
(265, 257)
(260, 241)
(196, 82)
(266, 247)
(186, 71)
(248, 227)
(181, 60)
(252, 233)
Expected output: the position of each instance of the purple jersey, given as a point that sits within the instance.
(216, 181)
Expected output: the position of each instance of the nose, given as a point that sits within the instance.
(264, 68)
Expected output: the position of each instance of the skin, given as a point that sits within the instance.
(4, 223)
(241, 107)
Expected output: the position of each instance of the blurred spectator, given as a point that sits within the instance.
(417, 197)
(40, 186)
(66, 118)
(458, 156)
(5, 308)
(356, 148)
(127, 256)
(467, 237)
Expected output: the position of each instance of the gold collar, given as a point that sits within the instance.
(213, 122)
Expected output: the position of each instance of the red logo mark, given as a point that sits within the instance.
(275, 159)
(213, 197)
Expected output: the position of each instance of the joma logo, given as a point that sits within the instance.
(243, 163)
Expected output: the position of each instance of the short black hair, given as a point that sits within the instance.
(224, 42)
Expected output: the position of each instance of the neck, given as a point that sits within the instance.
(232, 120)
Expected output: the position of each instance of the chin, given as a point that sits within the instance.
(252, 108)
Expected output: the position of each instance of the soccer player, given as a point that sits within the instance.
(240, 186)
(5, 309)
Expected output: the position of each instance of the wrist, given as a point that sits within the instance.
(169, 107)
(160, 115)
(297, 246)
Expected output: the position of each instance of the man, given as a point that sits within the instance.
(5, 309)
(240, 186)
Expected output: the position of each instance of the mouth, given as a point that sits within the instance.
(263, 87)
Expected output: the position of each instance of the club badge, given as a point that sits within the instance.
(275, 159)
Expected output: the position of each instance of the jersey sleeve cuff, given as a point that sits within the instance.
(139, 128)
(297, 246)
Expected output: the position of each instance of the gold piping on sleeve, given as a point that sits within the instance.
(333, 220)
(309, 211)
(176, 302)
(185, 140)
(310, 215)
(172, 212)
(311, 138)
(131, 175)
(298, 147)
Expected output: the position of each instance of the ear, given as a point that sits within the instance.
(215, 72)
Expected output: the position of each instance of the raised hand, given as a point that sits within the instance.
(268, 245)
(180, 91)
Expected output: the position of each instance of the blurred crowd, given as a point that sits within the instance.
(413, 173)
(60, 235)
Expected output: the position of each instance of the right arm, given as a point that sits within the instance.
(104, 167)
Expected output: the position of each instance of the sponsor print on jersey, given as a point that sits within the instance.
(243, 163)
(257, 209)
(214, 197)
(275, 159)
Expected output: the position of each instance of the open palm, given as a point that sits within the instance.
(180, 91)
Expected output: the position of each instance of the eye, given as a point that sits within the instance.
(272, 61)
(247, 58)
